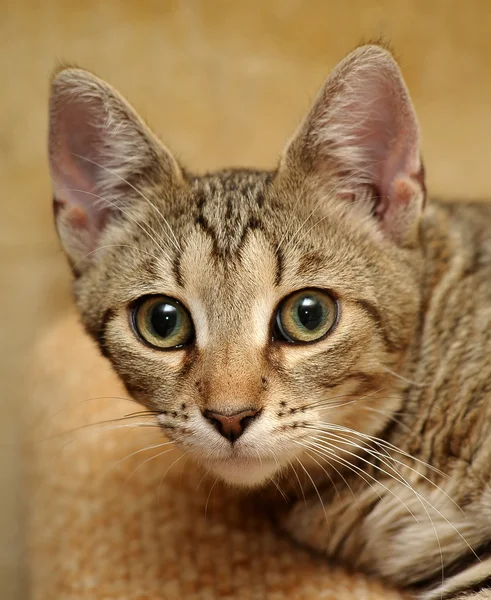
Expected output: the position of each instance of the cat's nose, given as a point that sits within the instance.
(231, 426)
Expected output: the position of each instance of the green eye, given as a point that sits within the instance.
(163, 322)
(306, 316)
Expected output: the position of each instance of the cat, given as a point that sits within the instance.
(320, 328)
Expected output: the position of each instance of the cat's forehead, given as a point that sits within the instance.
(228, 205)
(230, 236)
(236, 183)
(235, 224)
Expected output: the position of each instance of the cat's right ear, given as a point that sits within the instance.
(100, 154)
(360, 143)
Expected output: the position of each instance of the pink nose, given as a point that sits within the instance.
(231, 426)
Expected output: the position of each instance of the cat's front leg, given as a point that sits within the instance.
(331, 528)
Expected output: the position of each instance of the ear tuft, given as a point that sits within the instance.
(99, 150)
(362, 140)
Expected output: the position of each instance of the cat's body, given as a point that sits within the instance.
(375, 405)
(403, 531)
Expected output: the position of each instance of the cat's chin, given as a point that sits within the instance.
(243, 473)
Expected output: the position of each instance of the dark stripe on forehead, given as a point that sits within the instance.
(280, 265)
(260, 199)
(229, 204)
(310, 264)
(202, 222)
(251, 225)
(150, 267)
(176, 270)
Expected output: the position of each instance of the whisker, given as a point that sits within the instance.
(114, 465)
(388, 414)
(75, 404)
(141, 250)
(352, 467)
(202, 479)
(316, 206)
(315, 488)
(326, 453)
(377, 455)
(277, 486)
(415, 383)
(275, 483)
(95, 425)
(366, 461)
(330, 478)
(382, 443)
(209, 495)
(419, 496)
(166, 471)
(147, 460)
(328, 402)
(156, 258)
(298, 479)
(326, 473)
(143, 413)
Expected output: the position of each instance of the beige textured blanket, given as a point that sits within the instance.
(108, 520)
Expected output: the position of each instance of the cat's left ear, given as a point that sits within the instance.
(361, 142)
(101, 153)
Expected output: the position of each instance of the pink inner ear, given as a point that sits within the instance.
(97, 146)
(363, 127)
(77, 134)
(381, 130)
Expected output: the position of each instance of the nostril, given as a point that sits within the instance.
(215, 422)
(245, 421)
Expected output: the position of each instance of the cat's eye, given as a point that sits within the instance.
(163, 322)
(306, 316)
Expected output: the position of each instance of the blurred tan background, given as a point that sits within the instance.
(223, 83)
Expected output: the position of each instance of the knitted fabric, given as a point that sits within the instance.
(108, 520)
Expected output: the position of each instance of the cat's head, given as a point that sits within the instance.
(258, 312)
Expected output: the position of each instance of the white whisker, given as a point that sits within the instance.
(298, 479)
(404, 483)
(114, 465)
(209, 495)
(147, 461)
(315, 488)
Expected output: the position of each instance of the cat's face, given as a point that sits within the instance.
(252, 310)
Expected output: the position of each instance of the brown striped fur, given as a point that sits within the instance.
(407, 362)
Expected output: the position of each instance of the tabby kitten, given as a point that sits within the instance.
(312, 327)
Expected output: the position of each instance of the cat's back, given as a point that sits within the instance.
(450, 365)
(456, 239)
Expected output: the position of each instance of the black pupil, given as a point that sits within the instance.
(163, 319)
(310, 313)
